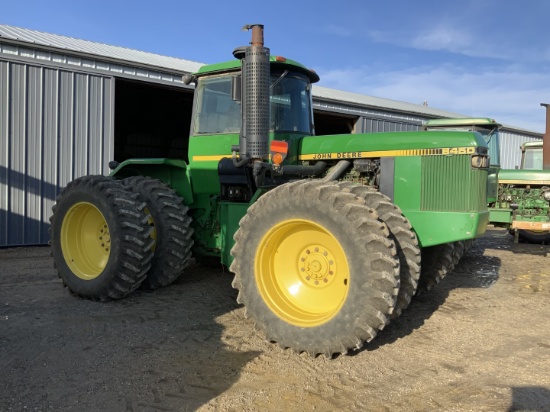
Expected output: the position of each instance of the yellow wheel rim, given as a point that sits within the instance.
(302, 272)
(85, 240)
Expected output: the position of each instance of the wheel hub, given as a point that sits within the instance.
(104, 238)
(317, 265)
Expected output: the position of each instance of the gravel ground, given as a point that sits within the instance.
(479, 341)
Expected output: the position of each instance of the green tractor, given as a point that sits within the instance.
(527, 192)
(326, 235)
(518, 199)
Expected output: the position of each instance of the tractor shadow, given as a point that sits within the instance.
(480, 267)
(476, 269)
(151, 351)
(530, 398)
(505, 241)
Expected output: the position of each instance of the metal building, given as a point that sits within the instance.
(370, 114)
(69, 106)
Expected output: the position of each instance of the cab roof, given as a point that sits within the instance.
(462, 122)
(276, 61)
(532, 144)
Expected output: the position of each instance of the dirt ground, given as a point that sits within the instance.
(479, 341)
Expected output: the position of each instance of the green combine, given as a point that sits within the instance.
(329, 237)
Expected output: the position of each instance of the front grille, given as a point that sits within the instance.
(449, 183)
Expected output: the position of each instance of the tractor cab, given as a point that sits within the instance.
(531, 156)
(218, 105)
(236, 117)
(487, 127)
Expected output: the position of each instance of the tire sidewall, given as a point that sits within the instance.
(92, 195)
(342, 323)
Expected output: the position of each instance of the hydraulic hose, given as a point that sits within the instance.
(336, 171)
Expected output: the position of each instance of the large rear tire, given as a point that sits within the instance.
(100, 238)
(402, 234)
(315, 268)
(172, 231)
(437, 262)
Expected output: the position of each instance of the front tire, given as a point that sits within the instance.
(315, 269)
(100, 238)
(402, 234)
(437, 262)
(459, 248)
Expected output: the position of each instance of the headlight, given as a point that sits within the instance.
(480, 162)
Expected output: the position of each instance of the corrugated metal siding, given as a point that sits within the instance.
(397, 107)
(319, 104)
(510, 148)
(65, 61)
(382, 125)
(55, 125)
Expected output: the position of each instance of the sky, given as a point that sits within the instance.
(488, 58)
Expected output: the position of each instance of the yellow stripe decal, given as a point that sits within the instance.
(524, 182)
(212, 158)
(389, 153)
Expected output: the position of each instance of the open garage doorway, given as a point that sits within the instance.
(333, 123)
(151, 120)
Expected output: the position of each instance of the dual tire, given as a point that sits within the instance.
(315, 268)
(322, 267)
(110, 237)
(440, 260)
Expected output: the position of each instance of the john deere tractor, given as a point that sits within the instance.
(527, 193)
(329, 237)
(518, 199)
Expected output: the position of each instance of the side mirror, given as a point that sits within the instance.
(188, 79)
(236, 89)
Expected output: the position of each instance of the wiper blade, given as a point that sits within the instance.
(276, 82)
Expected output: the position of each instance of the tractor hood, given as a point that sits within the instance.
(518, 176)
(392, 144)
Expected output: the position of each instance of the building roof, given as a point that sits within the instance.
(137, 57)
(90, 48)
(379, 102)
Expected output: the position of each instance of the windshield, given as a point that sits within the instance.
(215, 111)
(290, 109)
(532, 159)
(492, 139)
(490, 135)
(290, 105)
